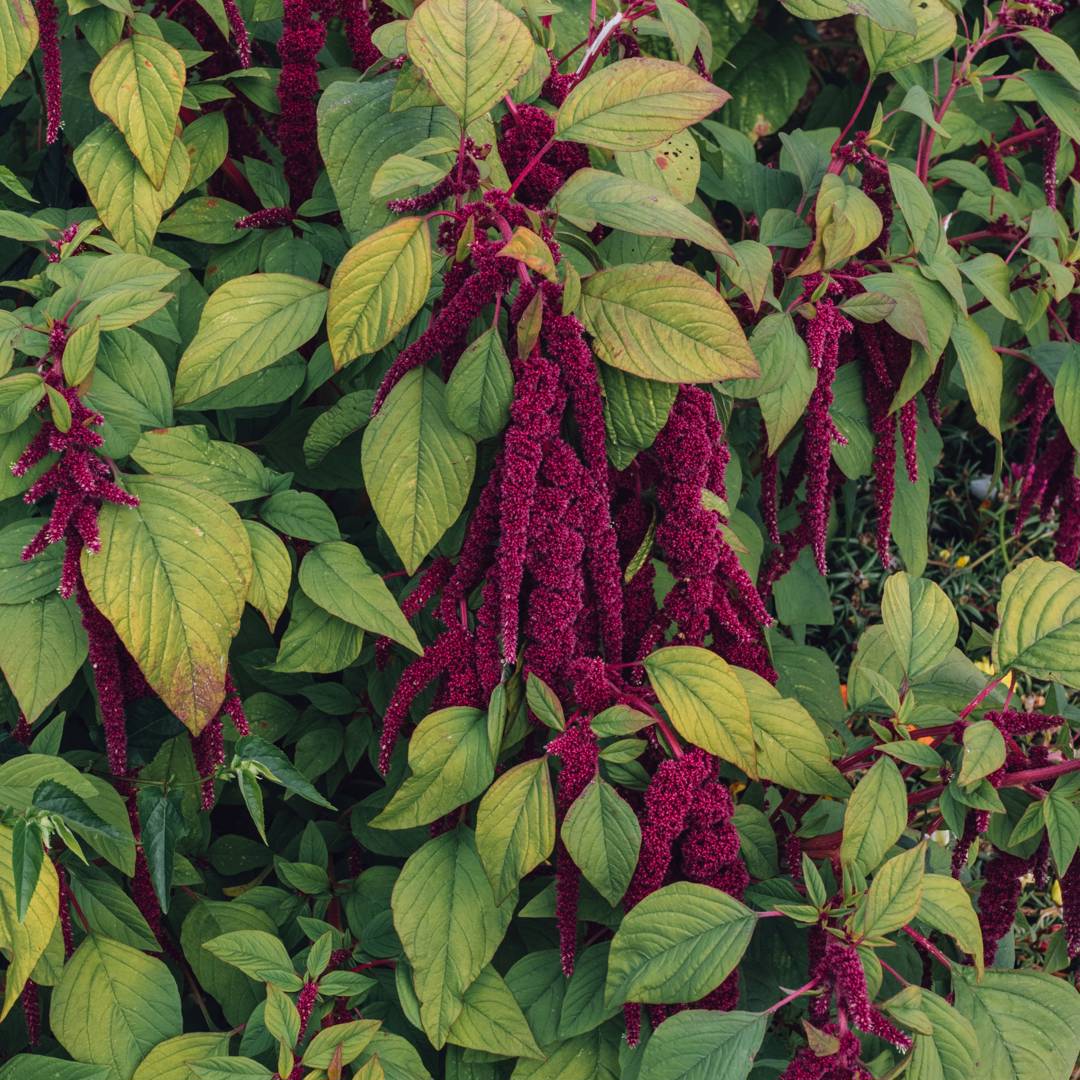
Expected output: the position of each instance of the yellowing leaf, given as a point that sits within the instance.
(527, 248)
(18, 38)
(25, 941)
(664, 322)
(172, 576)
(472, 52)
(128, 202)
(138, 86)
(418, 467)
(637, 103)
(592, 196)
(674, 164)
(271, 572)
(847, 221)
(247, 325)
(377, 288)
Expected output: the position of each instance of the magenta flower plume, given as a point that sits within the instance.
(841, 968)
(843, 1064)
(1050, 178)
(362, 18)
(577, 749)
(522, 135)
(31, 1008)
(52, 72)
(995, 164)
(239, 32)
(999, 899)
(303, 34)
(1070, 906)
(273, 217)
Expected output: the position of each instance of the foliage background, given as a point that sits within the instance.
(730, 632)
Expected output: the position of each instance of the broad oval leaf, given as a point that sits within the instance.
(113, 1005)
(377, 288)
(677, 944)
(921, 622)
(946, 906)
(172, 576)
(1039, 622)
(481, 388)
(637, 103)
(699, 1044)
(472, 52)
(173, 1058)
(603, 837)
(890, 50)
(18, 39)
(515, 825)
(875, 816)
(138, 85)
(418, 467)
(247, 325)
(664, 322)
(705, 701)
(337, 577)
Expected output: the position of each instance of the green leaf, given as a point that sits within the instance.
(1027, 1024)
(1062, 828)
(300, 514)
(875, 816)
(491, 1020)
(481, 387)
(984, 752)
(417, 466)
(278, 767)
(950, 1052)
(603, 837)
(27, 855)
(247, 325)
(635, 104)
(125, 198)
(347, 113)
(377, 288)
(451, 762)
(337, 577)
(61, 802)
(472, 52)
(271, 572)
(699, 1044)
(231, 988)
(172, 1059)
(515, 825)
(921, 623)
(163, 827)
(982, 371)
(205, 219)
(230, 1068)
(771, 76)
(108, 909)
(113, 1005)
(332, 427)
(543, 702)
(890, 50)
(1039, 622)
(846, 220)
(353, 1037)
(946, 906)
(635, 410)
(917, 205)
(1067, 397)
(22, 581)
(316, 641)
(19, 395)
(677, 944)
(232, 472)
(257, 954)
(1057, 98)
(18, 39)
(591, 196)
(1056, 51)
(42, 649)
(583, 1006)
(206, 140)
(664, 322)
(449, 924)
(894, 895)
(138, 85)
(705, 701)
(171, 577)
(989, 273)
(80, 352)
(36, 1067)
(402, 172)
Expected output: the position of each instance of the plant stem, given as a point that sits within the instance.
(791, 997)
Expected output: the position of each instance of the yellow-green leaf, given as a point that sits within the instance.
(946, 906)
(123, 195)
(171, 1059)
(138, 85)
(113, 1005)
(172, 576)
(982, 371)
(920, 621)
(890, 50)
(271, 572)
(664, 322)
(1039, 622)
(637, 103)
(875, 816)
(472, 52)
(18, 39)
(418, 467)
(527, 248)
(24, 941)
(377, 288)
(593, 196)
(247, 325)
(705, 701)
(895, 893)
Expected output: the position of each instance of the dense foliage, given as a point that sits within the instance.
(538, 540)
